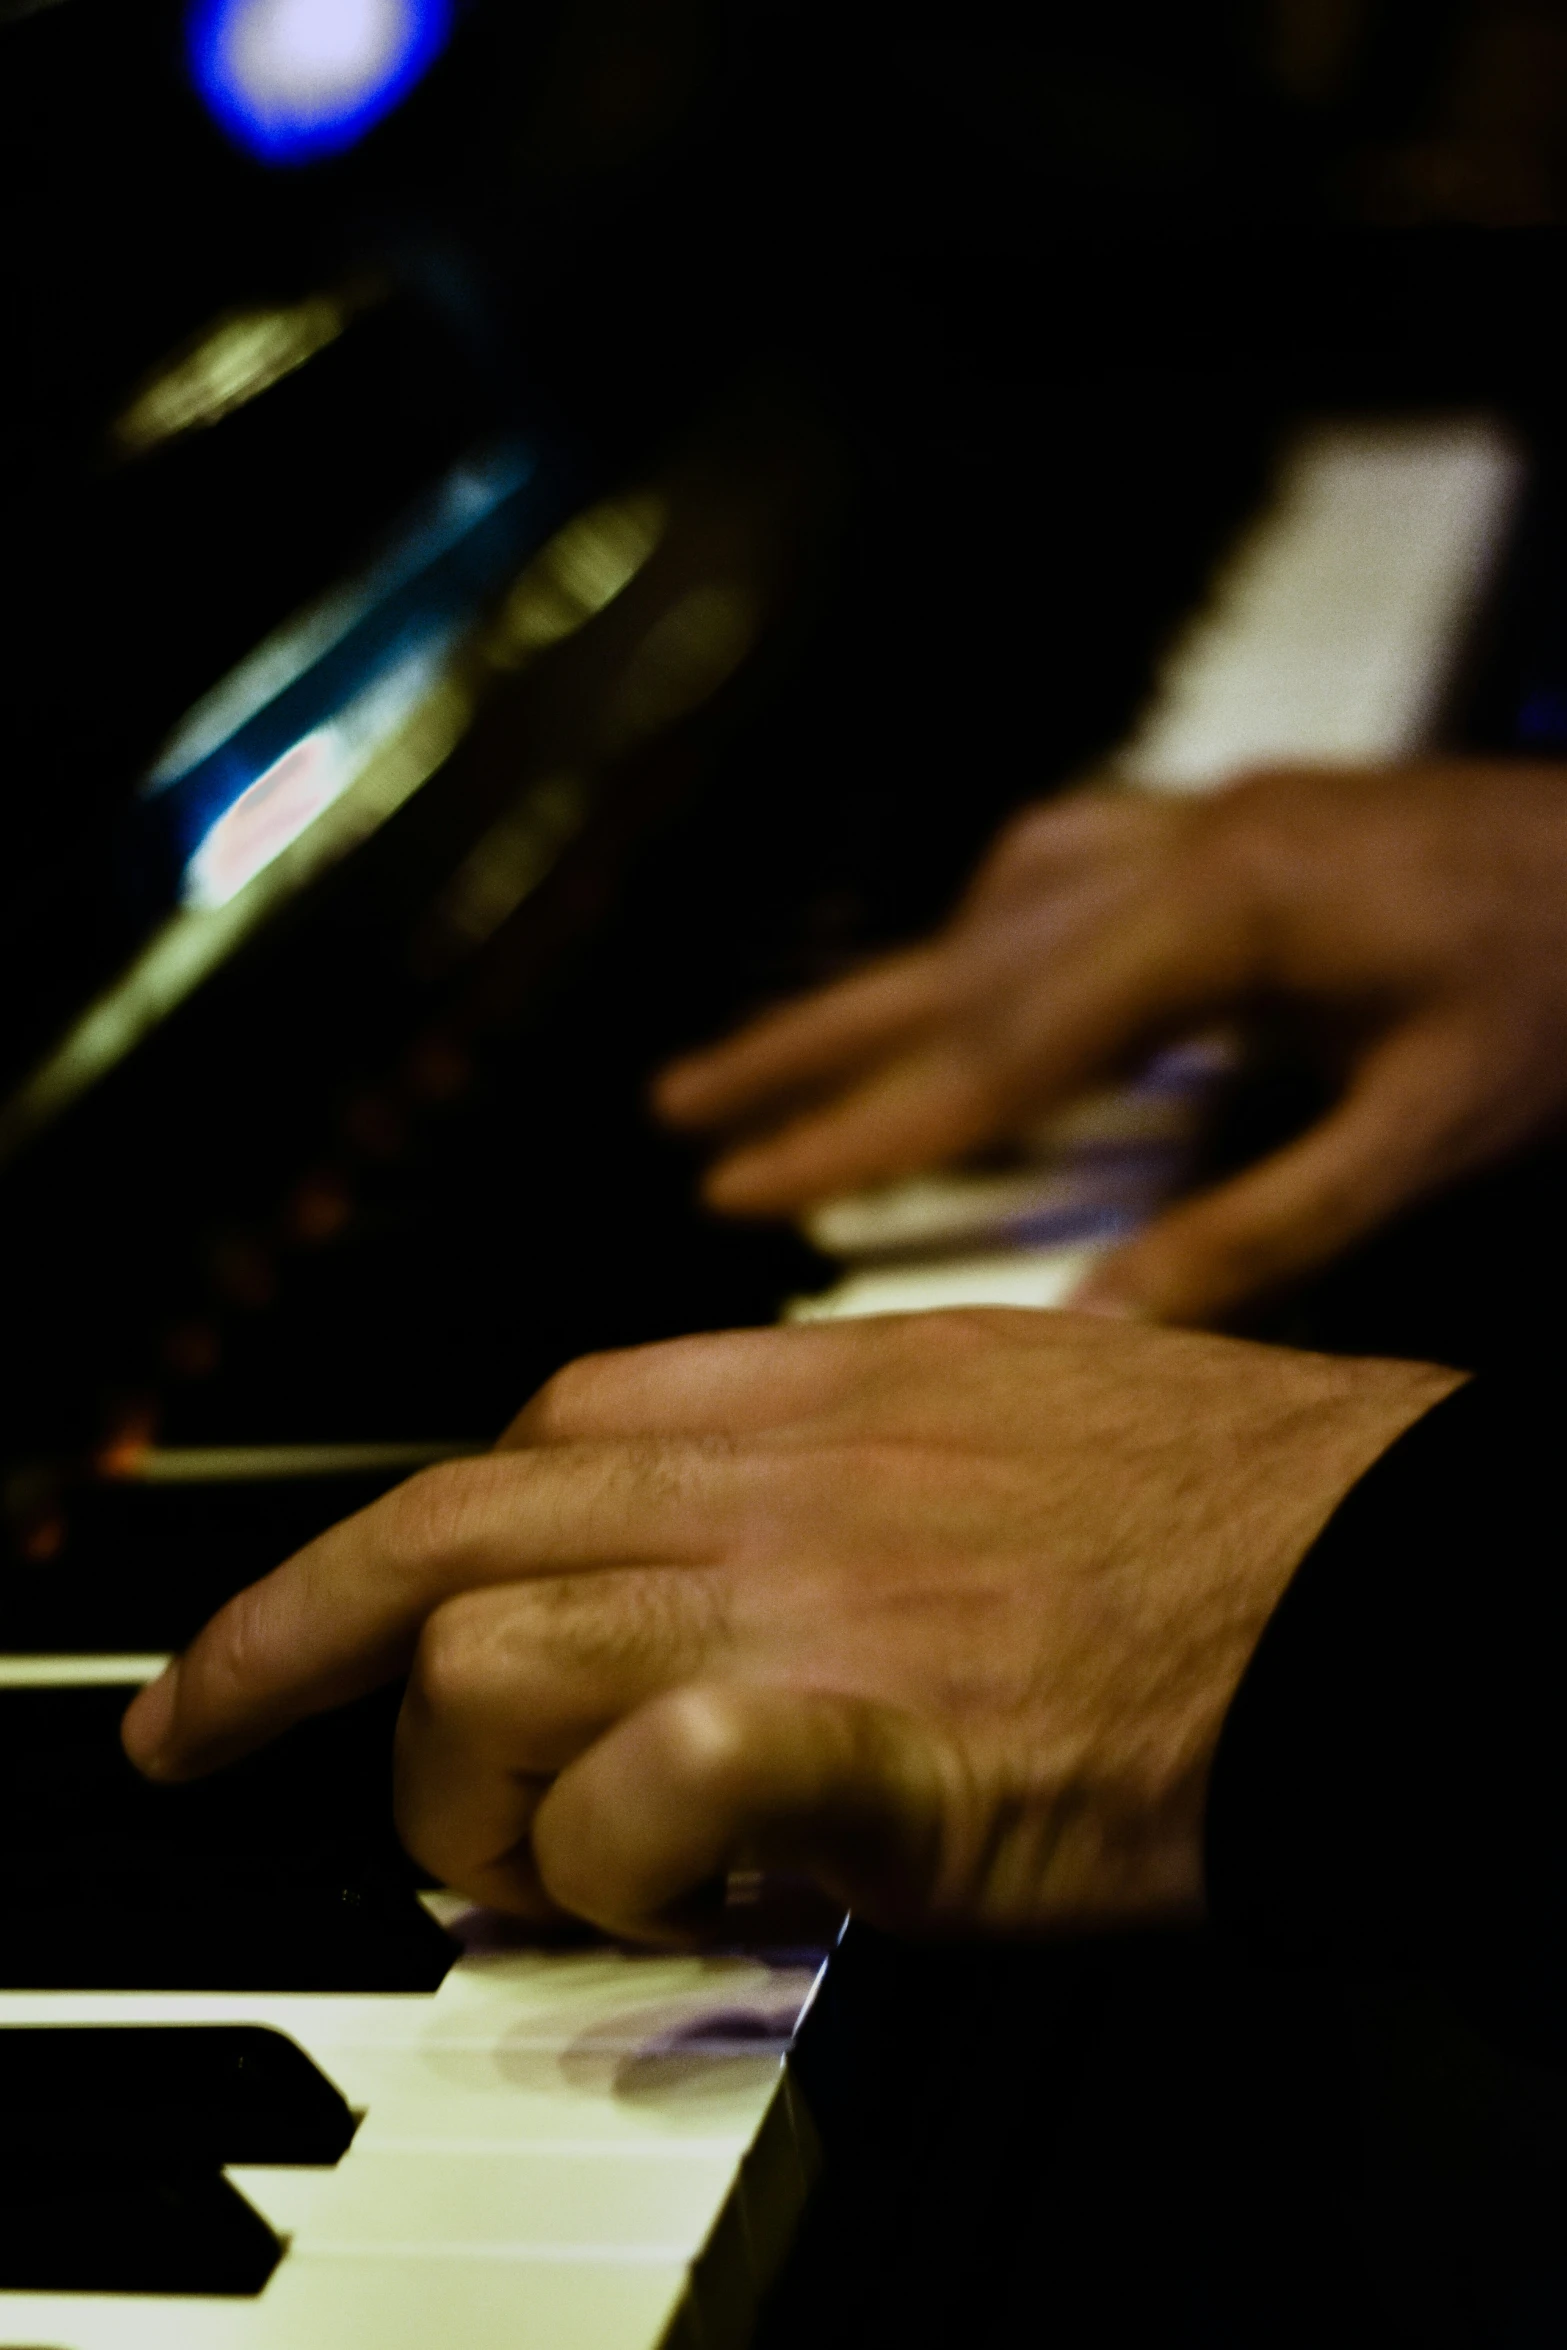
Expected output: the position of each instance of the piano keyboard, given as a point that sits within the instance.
(572, 2146)
(1332, 635)
(584, 2146)
(549, 2144)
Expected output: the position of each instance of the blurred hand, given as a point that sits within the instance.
(944, 1611)
(1413, 923)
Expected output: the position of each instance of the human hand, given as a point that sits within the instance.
(1411, 923)
(943, 1611)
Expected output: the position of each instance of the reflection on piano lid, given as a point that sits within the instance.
(1334, 633)
(234, 359)
(449, 552)
(334, 723)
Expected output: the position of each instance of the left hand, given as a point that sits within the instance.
(1409, 923)
(945, 1611)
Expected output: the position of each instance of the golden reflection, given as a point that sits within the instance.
(233, 361)
(197, 938)
(583, 568)
(686, 655)
(268, 1463)
(510, 860)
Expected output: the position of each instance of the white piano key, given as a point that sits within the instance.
(80, 1672)
(614, 1999)
(529, 2098)
(285, 2194)
(948, 1209)
(1037, 1278)
(327, 2303)
(127, 2321)
(557, 2204)
(586, 2000)
(583, 2112)
(1094, 1167)
(317, 2020)
(1333, 628)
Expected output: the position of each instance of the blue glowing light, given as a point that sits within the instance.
(285, 735)
(293, 80)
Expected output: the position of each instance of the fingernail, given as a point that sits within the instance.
(148, 1725)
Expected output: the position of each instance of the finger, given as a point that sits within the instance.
(831, 1033)
(1103, 995)
(803, 1044)
(726, 1776)
(508, 1686)
(486, 1850)
(731, 1383)
(917, 1110)
(1389, 1140)
(343, 1615)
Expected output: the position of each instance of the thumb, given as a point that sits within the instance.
(715, 1777)
(1388, 1141)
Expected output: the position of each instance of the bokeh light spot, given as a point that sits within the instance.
(296, 79)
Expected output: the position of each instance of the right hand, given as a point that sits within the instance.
(1411, 922)
(944, 1611)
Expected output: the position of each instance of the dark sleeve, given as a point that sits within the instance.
(1390, 1789)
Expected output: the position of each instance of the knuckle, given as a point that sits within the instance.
(1245, 835)
(1272, 788)
(643, 1623)
(704, 1743)
(566, 1402)
(663, 1475)
(565, 1630)
(1238, 819)
(519, 1645)
(455, 1657)
(432, 1515)
(947, 1339)
(1023, 835)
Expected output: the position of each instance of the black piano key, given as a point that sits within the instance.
(184, 2094)
(118, 1566)
(274, 1933)
(282, 1874)
(76, 2228)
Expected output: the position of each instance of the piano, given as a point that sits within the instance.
(419, 738)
